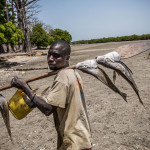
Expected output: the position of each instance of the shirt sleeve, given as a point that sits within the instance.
(57, 95)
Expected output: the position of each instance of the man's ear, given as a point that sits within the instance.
(68, 57)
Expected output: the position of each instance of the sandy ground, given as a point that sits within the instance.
(116, 125)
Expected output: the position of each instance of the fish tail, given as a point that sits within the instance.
(124, 96)
(140, 100)
(137, 93)
(6, 118)
(112, 86)
(114, 76)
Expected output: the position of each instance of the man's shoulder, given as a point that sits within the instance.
(64, 75)
(66, 72)
(67, 75)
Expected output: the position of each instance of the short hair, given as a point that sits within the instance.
(65, 46)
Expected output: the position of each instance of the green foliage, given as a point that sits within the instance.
(39, 37)
(59, 34)
(2, 38)
(2, 11)
(51, 39)
(11, 16)
(114, 39)
(10, 34)
(2, 28)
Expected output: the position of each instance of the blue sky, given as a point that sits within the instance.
(91, 19)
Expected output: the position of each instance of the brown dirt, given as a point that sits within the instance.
(116, 125)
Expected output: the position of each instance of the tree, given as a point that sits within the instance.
(59, 34)
(25, 10)
(2, 12)
(10, 34)
(6, 12)
(39, 37)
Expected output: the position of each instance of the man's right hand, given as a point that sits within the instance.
(18, 83)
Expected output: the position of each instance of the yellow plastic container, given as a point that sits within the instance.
(18, 106)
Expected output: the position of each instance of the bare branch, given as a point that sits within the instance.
(32, 7)
(31, 2)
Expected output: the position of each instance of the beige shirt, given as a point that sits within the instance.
(70, 117)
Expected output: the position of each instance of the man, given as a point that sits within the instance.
(65, 100)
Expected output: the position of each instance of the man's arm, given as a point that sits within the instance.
(44, 107)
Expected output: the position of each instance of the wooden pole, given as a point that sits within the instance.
(37, 77)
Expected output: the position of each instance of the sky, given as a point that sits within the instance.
(92, 19)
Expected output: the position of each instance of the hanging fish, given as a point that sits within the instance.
(5, 113)
(117, 65)
(91, 67)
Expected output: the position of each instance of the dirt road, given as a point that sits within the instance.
(115, 124)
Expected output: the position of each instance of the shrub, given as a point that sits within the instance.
(10, 34)
(39, 37)
(59, 34)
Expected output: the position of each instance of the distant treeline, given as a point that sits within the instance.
(114, 39)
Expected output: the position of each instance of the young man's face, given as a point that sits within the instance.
(56, 58)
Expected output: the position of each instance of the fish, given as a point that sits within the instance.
(122, 69)
(112, 56)
(4, 108)
(91, 67)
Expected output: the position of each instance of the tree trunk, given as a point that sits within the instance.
(6, 10)
(27, 43)
(1, 49)
(22, 23)
(12, 6)
(7, 20)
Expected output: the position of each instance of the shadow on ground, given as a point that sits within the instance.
(9, 64)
